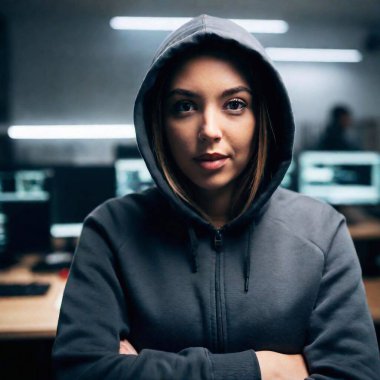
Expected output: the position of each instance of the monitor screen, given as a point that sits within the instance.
(25, 185)
(132, 176)
(341, 178)
(25, 204)
(28, 226)
(76, 191)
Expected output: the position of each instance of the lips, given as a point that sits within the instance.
(211, 157)
(211, 161)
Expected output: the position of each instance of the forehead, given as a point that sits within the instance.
(206, 68)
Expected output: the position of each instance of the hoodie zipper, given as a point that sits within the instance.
(218, 245)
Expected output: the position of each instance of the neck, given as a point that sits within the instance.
(216, 204)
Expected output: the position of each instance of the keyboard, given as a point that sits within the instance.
(23, 289)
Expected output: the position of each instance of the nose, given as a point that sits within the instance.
(210, 129)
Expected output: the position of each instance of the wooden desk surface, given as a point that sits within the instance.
(30, 316)
(372, 287)
(368, 230)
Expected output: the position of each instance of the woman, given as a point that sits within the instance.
(217, 273)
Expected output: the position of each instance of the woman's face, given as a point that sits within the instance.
(209, 122)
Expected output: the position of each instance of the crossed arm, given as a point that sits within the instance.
(273, 365)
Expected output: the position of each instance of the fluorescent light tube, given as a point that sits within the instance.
(148, 23)
(314, 55)
(263, 26)
(66, 230)
(172, 23)
(68, 132)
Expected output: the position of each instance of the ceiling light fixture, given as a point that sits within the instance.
(172, 23)
(314, 55)
(69, 132)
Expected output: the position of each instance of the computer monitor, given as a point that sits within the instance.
(341, 178)
(132, 176)
(76, 191)
(25, 205)
(28, 226)
(24, 185)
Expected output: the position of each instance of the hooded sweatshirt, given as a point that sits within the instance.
(198, 302)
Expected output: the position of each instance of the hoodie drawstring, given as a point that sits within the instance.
(247, 259)
(193, 249)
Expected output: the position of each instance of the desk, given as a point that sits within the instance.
(31, 316)
(367, 230)
(372, 288)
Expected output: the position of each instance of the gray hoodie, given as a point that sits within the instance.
(198, 302)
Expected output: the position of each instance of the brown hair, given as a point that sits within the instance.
(252, 176)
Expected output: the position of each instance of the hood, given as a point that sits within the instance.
(194, 32)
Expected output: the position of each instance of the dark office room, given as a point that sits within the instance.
(189, 190)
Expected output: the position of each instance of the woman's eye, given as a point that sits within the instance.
(183, 107)
(236, 104)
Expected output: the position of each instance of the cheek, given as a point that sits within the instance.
(179, 139)
(244, 138)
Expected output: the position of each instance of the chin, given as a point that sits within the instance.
(213, 184)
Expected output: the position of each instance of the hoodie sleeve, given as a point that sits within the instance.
(94, 317)
(342, 341)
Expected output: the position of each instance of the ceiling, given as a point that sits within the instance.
(358, 13)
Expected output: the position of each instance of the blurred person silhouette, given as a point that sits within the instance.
(336, 135)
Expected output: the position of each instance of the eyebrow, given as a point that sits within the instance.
(191, 94)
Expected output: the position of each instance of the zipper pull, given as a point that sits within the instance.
(218, 240)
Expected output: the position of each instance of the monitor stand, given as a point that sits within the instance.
(54, 262)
